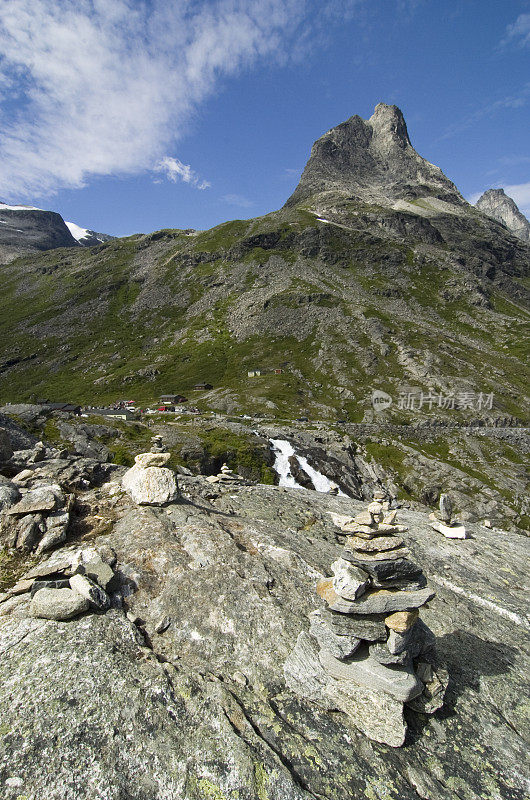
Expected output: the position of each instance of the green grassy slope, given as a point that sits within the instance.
(373, 301)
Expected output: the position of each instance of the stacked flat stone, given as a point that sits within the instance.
(226, 475)
(443, 522)
(373, 654)
(157, 445)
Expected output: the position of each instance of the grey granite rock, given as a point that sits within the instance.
(399, 682)
(339, 645)
(383, 601)
(40, 499)
(349, 581)
(101, 572)
(378, 715)
(368, 627)
(29, 530)
(9, 495)
(95, 595)
(237, 577)
(57, 604)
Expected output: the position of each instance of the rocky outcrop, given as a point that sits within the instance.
(177, 691)
(373, 161)
(24, 230)
(497, 205)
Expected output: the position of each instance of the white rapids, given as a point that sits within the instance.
(283, 450)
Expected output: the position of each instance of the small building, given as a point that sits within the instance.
(116, 413)
(67, 408)
(202, 387)
(171, 399)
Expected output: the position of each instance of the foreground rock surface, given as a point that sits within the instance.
(103, 706)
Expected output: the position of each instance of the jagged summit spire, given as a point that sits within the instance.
(500, 206)
(372, 161)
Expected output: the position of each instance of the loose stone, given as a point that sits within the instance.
(57, 604)
(91, 591)
(401, 621)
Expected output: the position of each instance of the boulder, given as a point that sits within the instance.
(339, 645)
(6, 448)
(151, 485)
(41, 499)
(349, 581)
(9, 495)
(450, 531)
(152, 459)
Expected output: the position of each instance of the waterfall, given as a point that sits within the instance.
(282, 451)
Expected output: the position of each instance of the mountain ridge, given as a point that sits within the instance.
(348, 295)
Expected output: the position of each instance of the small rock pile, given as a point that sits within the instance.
(35, 517)
(66, 585)
(226, 475)
(149, 482)
(443, 522)
(368, 652)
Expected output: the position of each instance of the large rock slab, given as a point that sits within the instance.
(237, 575)
(379, 716)
(381, 601)
(40, 499)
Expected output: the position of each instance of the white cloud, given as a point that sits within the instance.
(511, 101)
(175, 170)
(517, 32)
(238, 200)
(109, 86)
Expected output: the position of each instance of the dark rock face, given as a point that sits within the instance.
(27, 230)
(374, 161)
(497, 205)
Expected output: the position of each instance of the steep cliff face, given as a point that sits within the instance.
(373, 161)
(497, 205)
(24, 229)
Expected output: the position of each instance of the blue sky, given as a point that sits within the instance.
(129, 115)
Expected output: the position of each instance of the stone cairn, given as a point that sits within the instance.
(367, 652)
(149, 482)
(443, 522)
(226, 476)
(69, 583)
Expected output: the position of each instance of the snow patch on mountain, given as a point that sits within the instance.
(5, 207)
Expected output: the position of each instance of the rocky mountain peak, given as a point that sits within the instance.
(372, 161)
(389, 126)
(498, 205)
